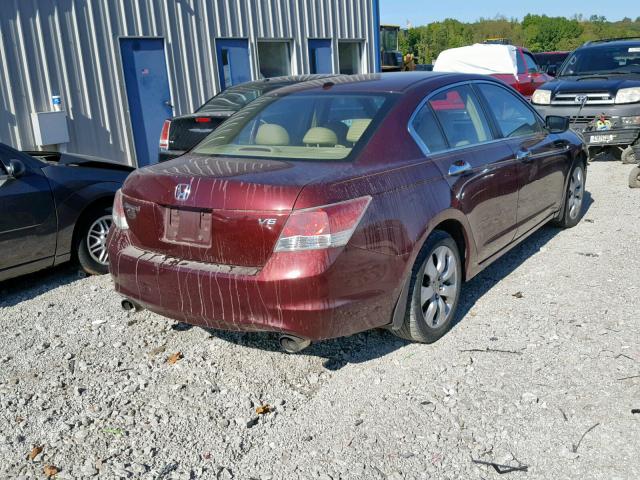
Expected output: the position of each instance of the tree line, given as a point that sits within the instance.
(538, 33)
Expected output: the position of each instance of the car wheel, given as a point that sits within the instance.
(92, 242)
(434, 290)
(634, 177)
(628, 156)
(573, 198)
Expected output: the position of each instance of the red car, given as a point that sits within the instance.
(515, 66)
(333, 207)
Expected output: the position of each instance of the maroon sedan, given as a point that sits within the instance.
(333, 207)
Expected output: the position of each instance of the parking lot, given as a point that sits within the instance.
(542, 370)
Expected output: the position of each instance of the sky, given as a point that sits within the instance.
(420, 12)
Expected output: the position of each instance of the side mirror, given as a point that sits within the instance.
(16, 168)
(552, 70)
(557, 124)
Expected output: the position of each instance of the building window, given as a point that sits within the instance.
(274, 59)
(320, 56)
(349, 54)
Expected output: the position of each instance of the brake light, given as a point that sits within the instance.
(164, 135)
(203, 120)
(119, 218)
(322, 227)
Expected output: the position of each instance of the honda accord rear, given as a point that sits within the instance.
(317, 211)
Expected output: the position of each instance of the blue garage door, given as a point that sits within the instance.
(320, 56)
(147, 84)
(233, 61)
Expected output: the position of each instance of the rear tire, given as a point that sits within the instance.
(634, 177)
(573, 199)
(628, 156)
(91, 241)
(434, 290)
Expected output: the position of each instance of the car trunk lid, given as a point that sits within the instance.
(216, 210)
(189, 130)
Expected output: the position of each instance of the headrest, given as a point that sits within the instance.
(358, 126)
(272, 134)
(320, 136)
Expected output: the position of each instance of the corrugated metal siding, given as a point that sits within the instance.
(71, 48)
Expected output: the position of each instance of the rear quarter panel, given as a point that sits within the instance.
(410, 197)
(74, 189)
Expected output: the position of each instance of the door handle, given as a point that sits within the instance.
(523, 155)
(459, 167)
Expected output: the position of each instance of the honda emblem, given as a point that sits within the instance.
(183, 190)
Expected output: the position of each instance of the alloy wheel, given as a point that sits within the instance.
(576, 192)
(440, 285)
(97, 239)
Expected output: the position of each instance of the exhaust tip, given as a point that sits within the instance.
(293, 344)
(130, 305)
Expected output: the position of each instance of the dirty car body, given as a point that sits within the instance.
(311, 225)
(45, 198)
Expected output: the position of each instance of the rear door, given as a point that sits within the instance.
(543, 159)
(457, 134)
(28, 224)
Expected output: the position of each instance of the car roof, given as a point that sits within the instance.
(391, 82)
(285, 80)
(616, 42)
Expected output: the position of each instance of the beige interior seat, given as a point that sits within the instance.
(321, 137)
(358, 126)
(272, 134)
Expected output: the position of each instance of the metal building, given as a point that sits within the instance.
(115, 69)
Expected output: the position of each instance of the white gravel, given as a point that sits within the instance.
(517, 380)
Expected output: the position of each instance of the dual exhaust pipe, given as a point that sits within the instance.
(288, 343)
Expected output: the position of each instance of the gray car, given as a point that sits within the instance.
(55, 207)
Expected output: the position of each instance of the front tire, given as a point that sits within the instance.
(434, 289)
(634, 177)
(91, 245)
(574, 198)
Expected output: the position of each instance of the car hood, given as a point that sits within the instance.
(593, 83)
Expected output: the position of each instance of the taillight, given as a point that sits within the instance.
(322, 227)
(119, 219)
(164, 135)
(203, 120)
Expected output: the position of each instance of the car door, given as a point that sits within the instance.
(454, 131)
(28, 225)
(543, 158)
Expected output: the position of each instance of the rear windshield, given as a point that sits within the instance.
(303, 125)
(234, 98)
(603, 60)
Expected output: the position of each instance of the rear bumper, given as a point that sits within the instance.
(314, 295)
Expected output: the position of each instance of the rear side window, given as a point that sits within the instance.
(513, 116)
(459, 113)
(426, 127)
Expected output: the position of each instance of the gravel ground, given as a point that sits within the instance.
(547, 348)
